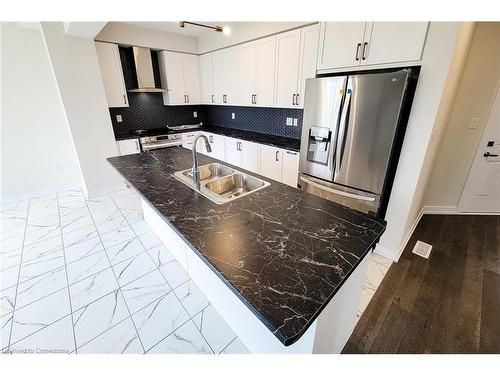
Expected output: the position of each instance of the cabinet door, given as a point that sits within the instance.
(265, 57)
(188, 139)
(340, 44)
(207, 79)
(247, 74)
(308, 58)
(172, 77)
(112, 74)
(225, 75)
(391, 42)
(287, 68)
(191, 78)
(218, 146)
(233, 155)
(128, 146)
(271, 162)
(250, 156)
(290, 170)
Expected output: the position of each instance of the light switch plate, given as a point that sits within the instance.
(295, 122)
(233, 116)
(195, 114)
(473, 123)
(119, 118)
(288, 121)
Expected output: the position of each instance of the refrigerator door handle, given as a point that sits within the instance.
(335, 191)
(342, 131)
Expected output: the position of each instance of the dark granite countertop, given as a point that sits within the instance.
(283, 252)
(272, 140)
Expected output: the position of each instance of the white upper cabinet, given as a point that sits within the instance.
(191, 67)
(389, 42)
(296, 53)
(287, 68)
(266, 55)
(207, 79)
(247, 73)
(256, 72)
(352, 44)
(309, 38)
(180, 75)
(340, 44)
(225, 76)
(112, 74)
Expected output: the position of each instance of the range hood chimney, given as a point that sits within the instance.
(144, 70)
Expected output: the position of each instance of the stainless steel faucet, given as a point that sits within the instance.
(195, 170)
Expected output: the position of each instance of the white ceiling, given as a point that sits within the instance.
(173, 27)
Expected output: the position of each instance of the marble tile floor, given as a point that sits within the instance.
(89, 276)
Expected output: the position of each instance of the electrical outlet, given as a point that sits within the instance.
(195, 114)
(119, 118)
(473, 123)
(295, 122)
(288, 121)
(233, 116)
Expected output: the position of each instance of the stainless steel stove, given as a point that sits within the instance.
(160, 141)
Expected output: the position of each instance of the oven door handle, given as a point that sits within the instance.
(338, 192)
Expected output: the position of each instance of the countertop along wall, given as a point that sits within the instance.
(37, 151)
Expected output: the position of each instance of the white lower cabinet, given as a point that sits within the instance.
(233, 154)
(290, 170)
(188, 139)
(271, 162)
(128, 146)
(250, 156)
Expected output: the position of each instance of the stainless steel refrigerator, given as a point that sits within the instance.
(348, 135)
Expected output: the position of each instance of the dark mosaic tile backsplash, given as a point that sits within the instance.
(146, 111)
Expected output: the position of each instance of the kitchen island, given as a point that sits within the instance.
(283, 267)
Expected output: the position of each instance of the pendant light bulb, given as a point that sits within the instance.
(226, 30)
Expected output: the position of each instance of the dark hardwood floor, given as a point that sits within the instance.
(449, 303)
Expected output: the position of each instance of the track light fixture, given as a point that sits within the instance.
(226, 30)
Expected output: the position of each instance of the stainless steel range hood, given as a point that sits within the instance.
(144, 70)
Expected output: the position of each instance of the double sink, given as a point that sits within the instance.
(220, 183)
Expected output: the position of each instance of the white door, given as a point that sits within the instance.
(250, 156)
(340, 44)
(207, 79)
(172, 77)
(287, 68)
(482, 189)
(233, 154)
(266, 55)
(391, 42)
(128, 146)
(247, 74)
(308, 57)
(191, 78)
(108, 55)
(290, 170)
(271, 161)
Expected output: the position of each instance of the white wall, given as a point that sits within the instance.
(474, 99)
(37, 153)
(409, 184)
(74, 62)
(123, 33)
(242, 32)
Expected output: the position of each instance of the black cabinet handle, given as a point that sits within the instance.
(293, 99)
(297, 99)
(291, 153)
(357, 51)
(277, 152)
(365, 44)
(488, 155)
(212, 98)
(187, 98)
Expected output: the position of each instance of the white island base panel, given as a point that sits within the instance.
(327, 334)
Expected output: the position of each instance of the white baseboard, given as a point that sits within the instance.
(440, 210)
(38, 193)
(410, 232)
(385, 252)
